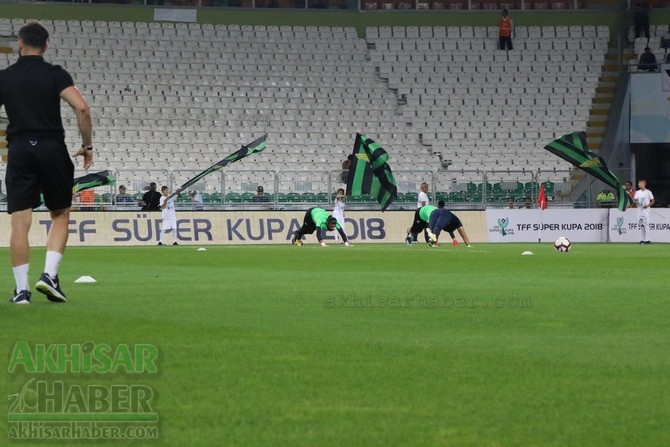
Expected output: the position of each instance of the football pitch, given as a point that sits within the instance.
(371, 345)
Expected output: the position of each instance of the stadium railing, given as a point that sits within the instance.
(233, 190)
(368, 5)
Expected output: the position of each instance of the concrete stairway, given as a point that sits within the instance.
(602, 103)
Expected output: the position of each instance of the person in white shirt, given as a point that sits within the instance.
(169, 216)
(423, 199)
(644, 199)
(338, 210)
(196, 198)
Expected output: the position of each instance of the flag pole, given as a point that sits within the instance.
(542, 204)
(258, 145)
(539, 235)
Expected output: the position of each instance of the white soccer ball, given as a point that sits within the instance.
(562, 244)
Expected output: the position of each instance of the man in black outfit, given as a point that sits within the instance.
(260, 196)
(150, 199)
(641, 19)
(38, 161)
(647, 61)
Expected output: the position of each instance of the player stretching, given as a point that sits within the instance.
(318, 219)
(435, 220)
(169, 216)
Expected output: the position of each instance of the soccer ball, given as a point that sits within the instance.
(562, 244)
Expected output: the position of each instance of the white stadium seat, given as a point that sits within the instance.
(414, 87)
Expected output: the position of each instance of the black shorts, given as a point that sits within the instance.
(418, 225)
(38, 166)
(308, 225)
(453, 225)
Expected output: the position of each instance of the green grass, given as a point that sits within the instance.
(375, 345)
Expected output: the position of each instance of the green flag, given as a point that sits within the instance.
(572, 147)
(369, 172)
(254, 147)
(88, 181)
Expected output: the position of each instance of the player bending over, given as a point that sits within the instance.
(421, 217)
(318, 219)
(435, 220)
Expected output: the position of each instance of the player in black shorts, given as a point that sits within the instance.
(317, 219)
(444, 220)
(38, 161)
(435, 220)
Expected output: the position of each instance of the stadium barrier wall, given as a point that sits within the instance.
(578, 225)
(623, 225)
(509, 225)
(331, 18)
(218, 228)
(254, 227)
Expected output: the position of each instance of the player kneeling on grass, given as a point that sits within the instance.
(436, 220)
(318, 219)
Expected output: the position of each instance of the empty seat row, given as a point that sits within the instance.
(468, 45)
(510, 68)
(398, 82)
(401, 32)
(148, 43)
(432, 105)
(418, 93)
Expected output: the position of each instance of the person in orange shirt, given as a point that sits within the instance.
(505, 33)
(86, 199)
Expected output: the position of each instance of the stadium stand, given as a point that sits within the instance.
(469, 99)
(654, 43)
(172, 98)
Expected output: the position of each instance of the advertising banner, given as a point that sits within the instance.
(234, 227)
(268, 227)
(522, 225)
(624, 227)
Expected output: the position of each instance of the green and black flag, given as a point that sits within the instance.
(88, 181)
(572, 147)
(255, 146)
(369, 172)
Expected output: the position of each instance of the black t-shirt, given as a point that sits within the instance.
(151, 200)
(30, 91)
